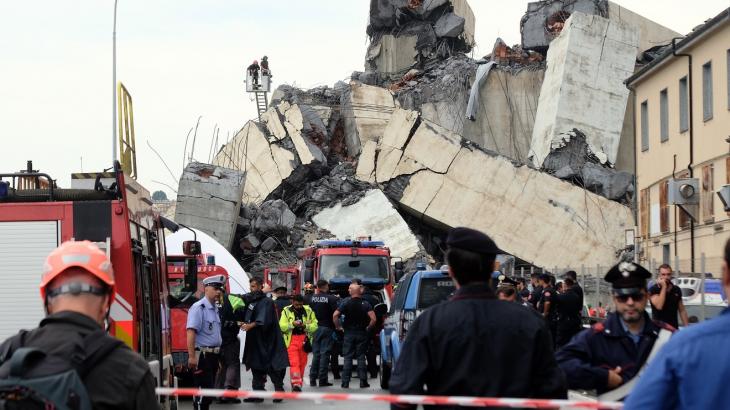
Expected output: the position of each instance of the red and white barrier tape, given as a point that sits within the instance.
(389, 398)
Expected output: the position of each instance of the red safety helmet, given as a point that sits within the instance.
(82, 254)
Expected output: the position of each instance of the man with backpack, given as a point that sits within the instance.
(69, 361)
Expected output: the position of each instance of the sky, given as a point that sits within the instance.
(184, 59)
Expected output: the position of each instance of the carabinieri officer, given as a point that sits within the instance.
(204, 338)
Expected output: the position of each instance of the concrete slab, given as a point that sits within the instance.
(366, 162)
(583, 86)
(208, 202)
(450, 182)
(265, 164)
(366, 111)
(373, 215)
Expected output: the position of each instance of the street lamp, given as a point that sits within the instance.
(114, 86)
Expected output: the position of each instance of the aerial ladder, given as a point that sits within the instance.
(259, 84)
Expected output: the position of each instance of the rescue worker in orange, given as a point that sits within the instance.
(78, 289)
(298, 324)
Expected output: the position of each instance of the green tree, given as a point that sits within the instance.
(159, 196)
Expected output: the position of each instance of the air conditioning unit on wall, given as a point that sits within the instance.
(685, 193)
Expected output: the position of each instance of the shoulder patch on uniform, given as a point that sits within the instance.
(598, 327)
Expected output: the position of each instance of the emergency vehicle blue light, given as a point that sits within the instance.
(349, 244)
(4, 187)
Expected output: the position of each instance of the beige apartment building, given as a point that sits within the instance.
(670, 141)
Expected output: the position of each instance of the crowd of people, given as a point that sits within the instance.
(512, 342)
(518, 343)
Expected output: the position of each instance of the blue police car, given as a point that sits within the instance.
(416, 292)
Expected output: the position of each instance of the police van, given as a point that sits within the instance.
(416, 292)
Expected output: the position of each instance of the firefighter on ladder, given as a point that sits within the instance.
(253, 71)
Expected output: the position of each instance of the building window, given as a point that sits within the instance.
(645, 126)
(664, 115)
(728, 79)
(707, 91)
(644, 205)
(666, 254)
(707, 197)
(683, 105)
(664, 206)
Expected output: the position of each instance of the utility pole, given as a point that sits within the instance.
(114, 86)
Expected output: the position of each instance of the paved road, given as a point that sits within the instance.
(304, 405)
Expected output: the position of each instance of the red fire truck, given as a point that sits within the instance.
(116, 214)
(339, 262)
(181, 301)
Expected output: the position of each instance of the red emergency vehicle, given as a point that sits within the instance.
(116, 214)
(338, 262)
(182, 300)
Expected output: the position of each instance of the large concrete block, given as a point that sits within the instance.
(548, 222)
(583, 86)
(209, 199)
(391, 54)
(366, 111)
(505, 115)
(373, 215)
(265, 164)
(543, 20)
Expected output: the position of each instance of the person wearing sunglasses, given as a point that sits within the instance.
(612, 352)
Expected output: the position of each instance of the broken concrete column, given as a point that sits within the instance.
(447, 181)
(373, 215)
(545, 19)
(366, 111)
(404, 34)
(270, 153)
(209, 199)
(583, 87)
(265, 164)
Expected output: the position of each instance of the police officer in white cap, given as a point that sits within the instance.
(204, 338)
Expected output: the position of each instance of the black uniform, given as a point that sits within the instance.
(324, 306)
(548, 295)
(467, 346)
(120, 381)
(668, 312)
(264, 352)
(229, 374)
(281, 303)
(536, 295)
(355, 343)
(588, 357)
(568, 308)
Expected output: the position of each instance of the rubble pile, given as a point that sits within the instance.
(571, 159)
(520, 144)
(407, 34)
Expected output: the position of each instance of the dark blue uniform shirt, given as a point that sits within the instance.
(592, 352)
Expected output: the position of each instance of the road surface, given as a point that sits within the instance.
(304, 404)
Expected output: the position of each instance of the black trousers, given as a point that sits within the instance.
(321, 348)
(276, 376)
(355, 345)
(229, 375)
(204, 377)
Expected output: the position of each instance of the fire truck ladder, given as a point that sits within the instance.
(262, 102)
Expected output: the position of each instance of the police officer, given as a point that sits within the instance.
(612, 352)
(231, 310)
(546, 304)
(204, 338)
(467, 346)
(536, 289)
(568, 307)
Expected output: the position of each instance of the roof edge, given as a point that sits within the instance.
(686, 41)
